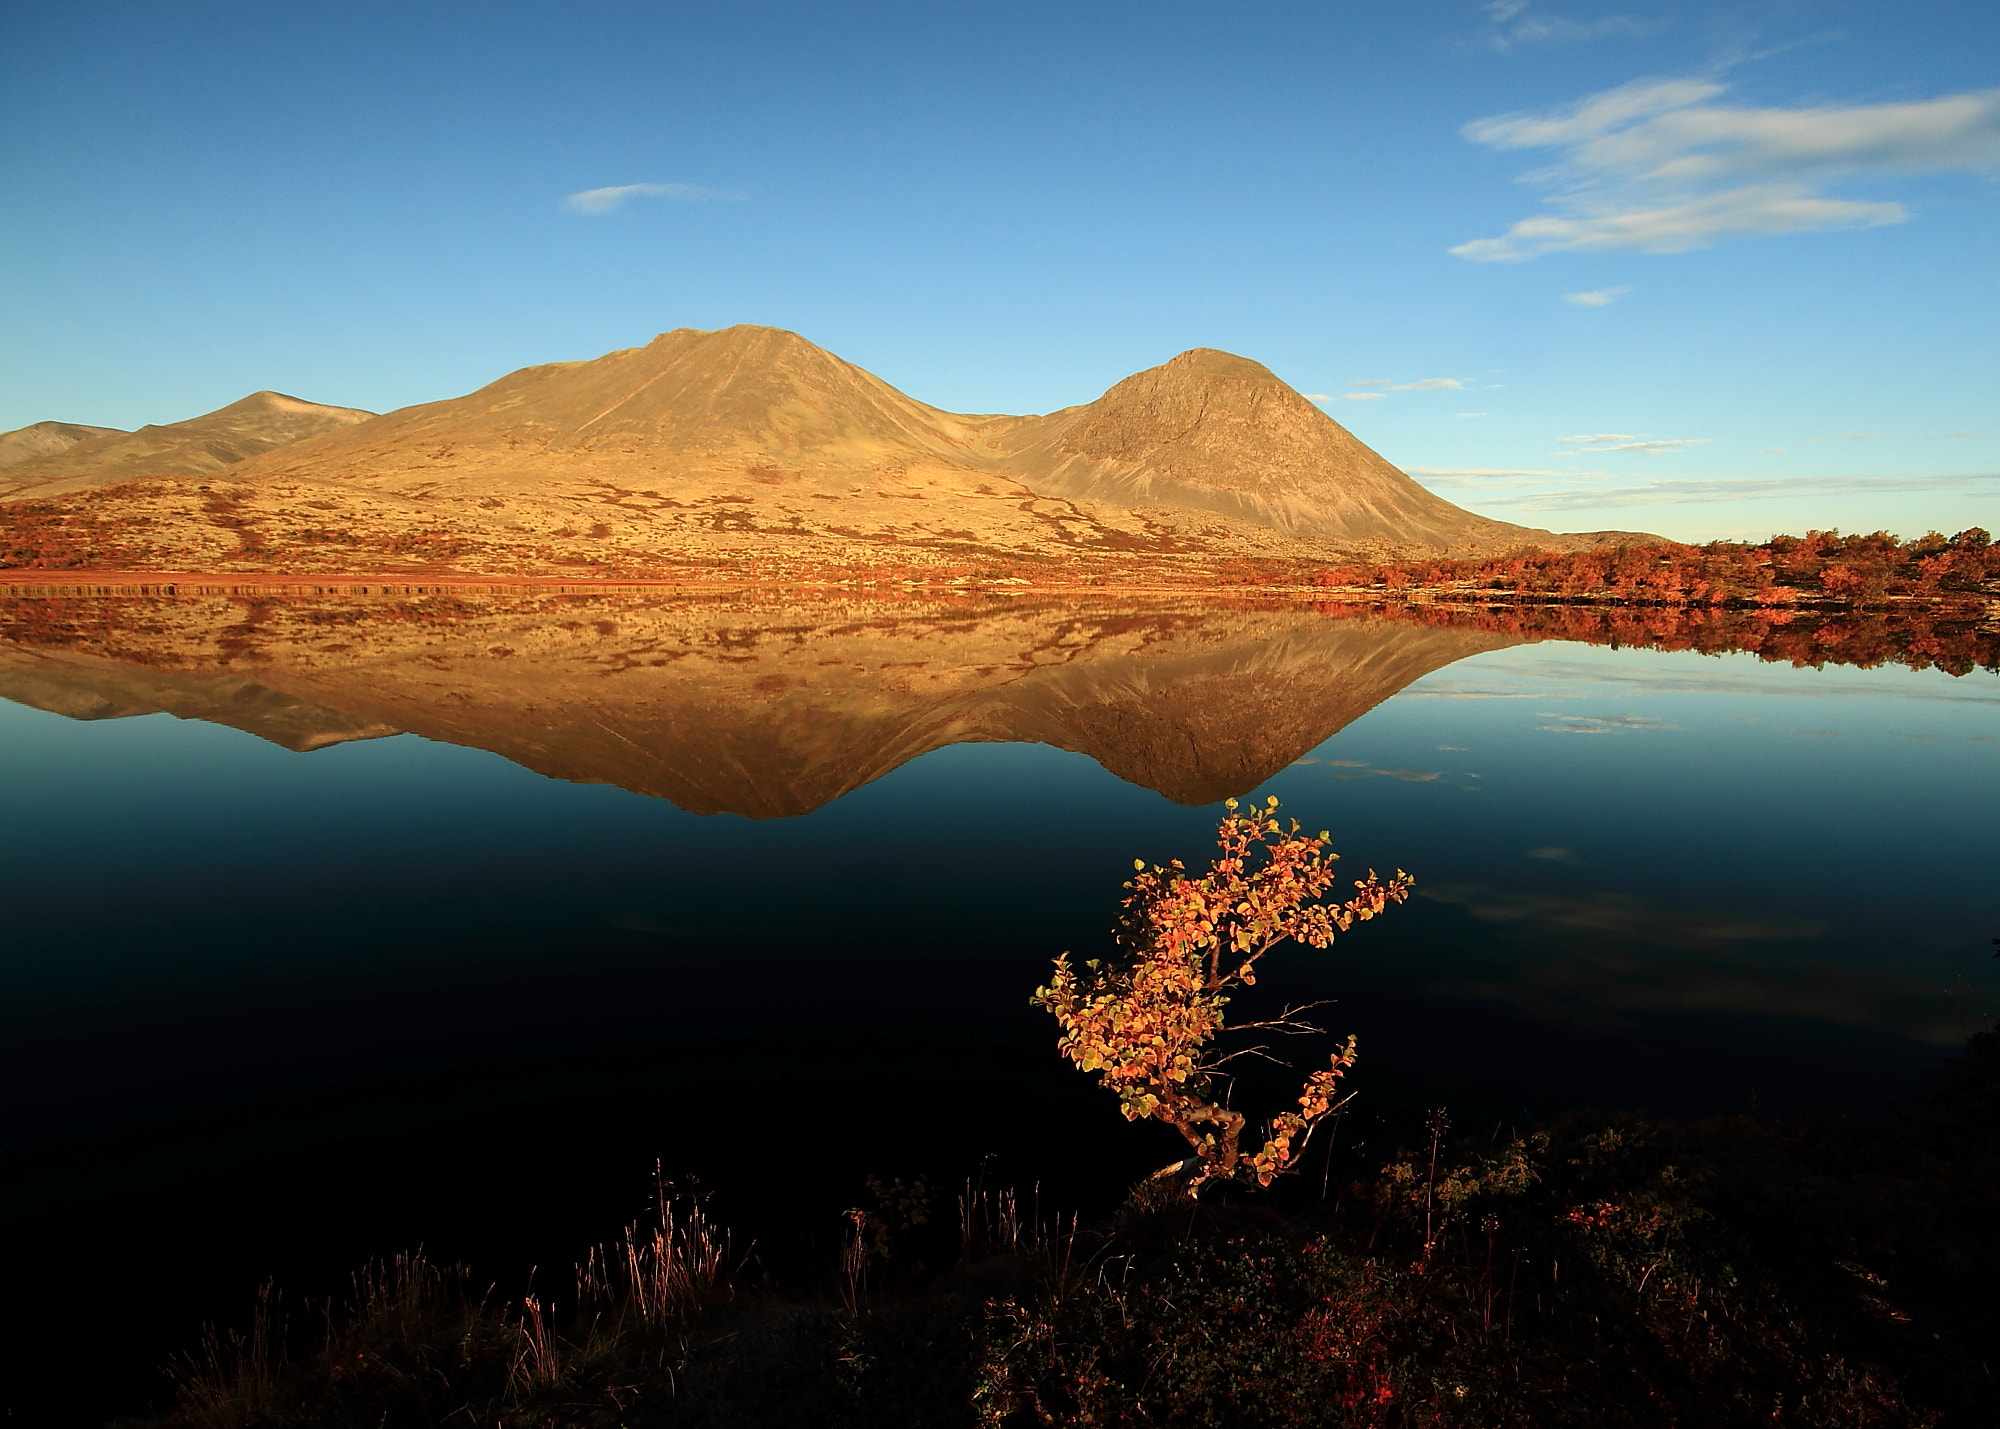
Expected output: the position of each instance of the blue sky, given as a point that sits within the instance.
(1708, 270)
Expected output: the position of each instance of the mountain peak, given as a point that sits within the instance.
(744, 391)
(1208, 430)
(1213, 364)
(277, 404)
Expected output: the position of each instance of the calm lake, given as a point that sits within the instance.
(334, 926)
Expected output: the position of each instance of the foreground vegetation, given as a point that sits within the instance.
(1601, 1271)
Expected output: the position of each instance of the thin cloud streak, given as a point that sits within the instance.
(597, 202)
(1596, 298)
(1654, 165)
(1422, 384)
(1508, 27)
(1681, 492)
(1469, 475)
(1627, 442)
(1430, 384)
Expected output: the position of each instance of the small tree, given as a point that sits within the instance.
(1147, 1023)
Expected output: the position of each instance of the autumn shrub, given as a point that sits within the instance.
(1150, 1023)
(1820, 567)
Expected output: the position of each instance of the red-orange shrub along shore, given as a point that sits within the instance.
(1820, 566)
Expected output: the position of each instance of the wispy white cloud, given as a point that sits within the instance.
(608, 200)
(1658, 166)
(1422, 384)
(1596, 297)
(1316, 396)
(1467, 416)
(1481, 475)
(1363, 396)
(1511, 24)
(1627, 442)
(1681, 492)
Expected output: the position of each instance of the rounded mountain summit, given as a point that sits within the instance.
(695, 413)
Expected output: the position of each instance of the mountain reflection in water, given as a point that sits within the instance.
(769, 710)
(723, 706)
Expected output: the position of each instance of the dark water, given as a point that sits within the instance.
(265, 1012)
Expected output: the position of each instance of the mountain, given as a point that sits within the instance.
(742, 392)
(728, 706)
(729, 415)
(46, 439)
(748, 449)
(195, 447)
(1210, 431)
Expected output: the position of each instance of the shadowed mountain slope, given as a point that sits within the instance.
(196, 447)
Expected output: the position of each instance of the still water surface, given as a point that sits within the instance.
(288, 1009)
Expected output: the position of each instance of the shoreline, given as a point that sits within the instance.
(41, 584)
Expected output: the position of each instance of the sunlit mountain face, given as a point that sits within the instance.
(744, 445)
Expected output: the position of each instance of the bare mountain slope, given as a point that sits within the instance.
(741, 397)
(1210, 431)
(200, 445)
(46, 439)
(1206, 434)
(751, 445)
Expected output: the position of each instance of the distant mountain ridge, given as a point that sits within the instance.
(48, 438)
(225, 437)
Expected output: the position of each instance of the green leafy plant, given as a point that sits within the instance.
(1148, 1023)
